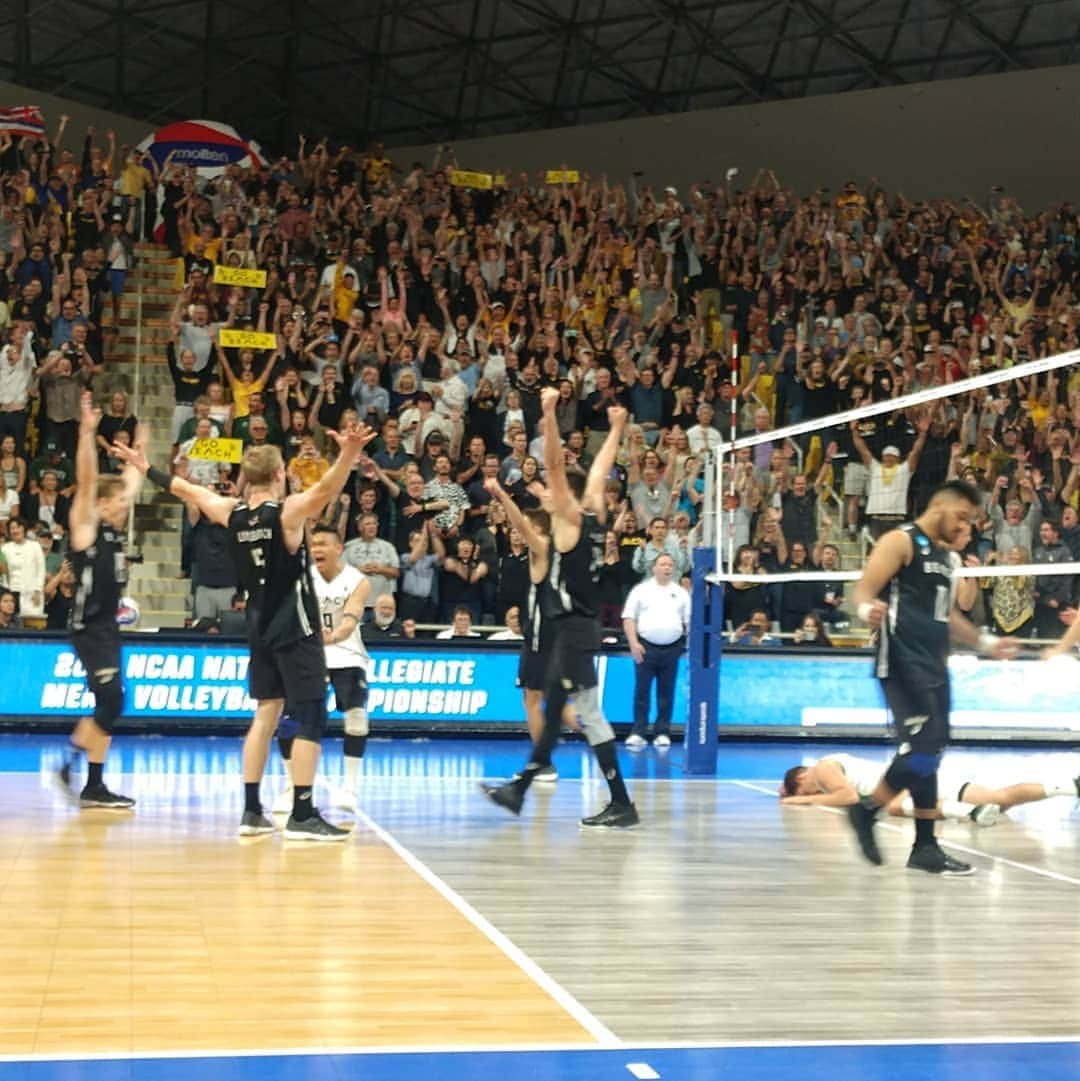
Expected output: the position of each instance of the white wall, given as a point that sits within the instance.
(127, 130)
(947, 138)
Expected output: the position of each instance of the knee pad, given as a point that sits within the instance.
(310, 719)
(356, 722)
(593, 723)
(287, 728)
(108, 698)
(909, 768)
(924, 792)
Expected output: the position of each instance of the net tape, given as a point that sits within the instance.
(1020, 570)
(905, 401)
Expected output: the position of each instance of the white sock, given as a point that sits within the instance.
(352, 772)
(956, 809)
(1062, 788)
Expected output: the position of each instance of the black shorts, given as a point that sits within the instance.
(98, 650)
(920, 713)
(533, 665)
(350, 688)
(296, 673)
(575, 641)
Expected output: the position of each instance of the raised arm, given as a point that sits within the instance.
(82, 518)
(300, 506)
(534, 539)
(216, 507)
(600, 469)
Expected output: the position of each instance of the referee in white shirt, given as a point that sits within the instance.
(655, 618)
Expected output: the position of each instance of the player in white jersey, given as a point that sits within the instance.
(342, 593)
(842, 780)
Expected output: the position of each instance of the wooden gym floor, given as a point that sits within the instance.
(445, 924)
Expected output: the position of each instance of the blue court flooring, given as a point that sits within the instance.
(1035, 1061)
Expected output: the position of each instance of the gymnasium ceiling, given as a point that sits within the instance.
(412, 72)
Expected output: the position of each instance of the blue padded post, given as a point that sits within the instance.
(706, 639)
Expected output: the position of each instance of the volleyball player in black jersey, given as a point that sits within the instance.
(907, 594)
(534, 525)
(572, 603)
(288, 665)
(97, 519)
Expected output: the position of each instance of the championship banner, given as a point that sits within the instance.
(481, 181)
(562, 176)
(247, 339)
(217, 450)
(230, 275)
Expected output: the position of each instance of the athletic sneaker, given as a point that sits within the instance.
(985, 814)
(662, 741)
(62, 783)
(862, 820)
(99, 796)
(634, 742)
(937, 861)
(313, 828)
(252, 824)
(546, 775)
(1076, 781)
(615, 816)
(283, 802)
(343, 799)
(508, 796)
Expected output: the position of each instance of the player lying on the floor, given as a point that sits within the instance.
(840, 780)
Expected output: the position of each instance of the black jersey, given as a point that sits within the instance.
(534, 620)
(914, 639)
(100, 575)
(281, 604)
(574, 575)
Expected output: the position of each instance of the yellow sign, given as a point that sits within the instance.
(234, 275)
(562, 176)
(500, 180)
(217, 450)
(247, 339)
(461, 179)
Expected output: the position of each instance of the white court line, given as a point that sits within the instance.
(1056, 876)
(541, 1048)
(603, 1035)
(642, 1071)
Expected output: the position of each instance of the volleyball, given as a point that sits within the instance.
(127, 613)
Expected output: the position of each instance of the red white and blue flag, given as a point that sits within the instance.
(20, 120)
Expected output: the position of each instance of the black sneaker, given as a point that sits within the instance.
(615, 816)
(937, 861)
(862, 820)
(255, 823)
(61, 780)
(313, 828)
(508, 796)
(99, 796)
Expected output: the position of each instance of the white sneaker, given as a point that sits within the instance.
(343, 799)
(283, 802)
(662, 741)
(986, 814)
(634, 742)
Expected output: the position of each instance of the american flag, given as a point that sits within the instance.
(20, 120)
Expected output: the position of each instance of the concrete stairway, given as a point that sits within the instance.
(163, 597)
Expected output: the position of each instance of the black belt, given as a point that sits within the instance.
(662, 645)
(887, 517)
